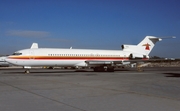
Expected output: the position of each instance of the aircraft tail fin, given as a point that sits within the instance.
(34, 46)
(145, 46)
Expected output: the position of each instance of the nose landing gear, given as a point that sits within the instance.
(27, 69)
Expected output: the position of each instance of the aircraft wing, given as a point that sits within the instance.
(101, 62)
(120, 62)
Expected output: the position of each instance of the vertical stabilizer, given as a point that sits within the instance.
(144, 47)
(147, 44)
(34, 46)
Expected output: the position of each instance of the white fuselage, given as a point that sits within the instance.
(98, 59)
(64, 57)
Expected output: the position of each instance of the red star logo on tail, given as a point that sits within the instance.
(147, 46)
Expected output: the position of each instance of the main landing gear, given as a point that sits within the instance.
(104, 69)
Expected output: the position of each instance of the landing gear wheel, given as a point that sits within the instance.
(27, 71)
(102, 69)
(96, 69)
(99, 69)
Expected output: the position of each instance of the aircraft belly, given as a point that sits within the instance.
(49, 62)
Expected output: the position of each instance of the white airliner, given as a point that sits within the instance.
(99, 60)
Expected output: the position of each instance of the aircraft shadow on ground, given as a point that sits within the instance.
(35, 72)
(45, 72)
(172, 74)
(48, 74)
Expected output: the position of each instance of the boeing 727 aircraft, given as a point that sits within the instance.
(99, 60)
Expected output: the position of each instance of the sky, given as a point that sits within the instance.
(89, 24)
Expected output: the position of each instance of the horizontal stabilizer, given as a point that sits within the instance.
(160, 38)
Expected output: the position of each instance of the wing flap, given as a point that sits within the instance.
(91, 62)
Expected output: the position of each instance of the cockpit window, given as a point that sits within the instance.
(17, 53)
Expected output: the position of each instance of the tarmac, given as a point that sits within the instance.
(154, 89)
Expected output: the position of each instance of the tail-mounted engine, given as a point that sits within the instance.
(126, 47)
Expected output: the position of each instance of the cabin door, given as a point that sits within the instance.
(31, 55)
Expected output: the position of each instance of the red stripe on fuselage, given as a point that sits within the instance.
(67, 58)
